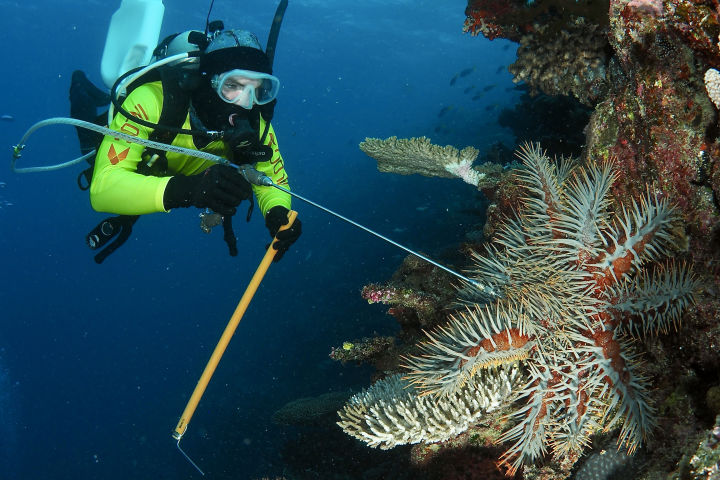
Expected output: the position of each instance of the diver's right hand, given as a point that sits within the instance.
(219, 188)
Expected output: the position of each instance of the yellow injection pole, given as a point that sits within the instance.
(225, 340)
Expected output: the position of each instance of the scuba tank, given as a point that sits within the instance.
(133, 33)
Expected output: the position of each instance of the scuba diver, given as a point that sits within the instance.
(207, 99)
(227, 112)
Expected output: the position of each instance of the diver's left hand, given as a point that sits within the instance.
(276, 218)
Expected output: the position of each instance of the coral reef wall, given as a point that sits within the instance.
(657, 123)
(648, 70)
(641, 64)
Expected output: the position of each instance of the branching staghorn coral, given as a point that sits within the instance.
(417, 155)
(391, 412)
(577, 280)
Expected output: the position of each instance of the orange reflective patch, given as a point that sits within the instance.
(140, 112)
(278, 167)
(115, 157)
(277, 164)
(130, 129)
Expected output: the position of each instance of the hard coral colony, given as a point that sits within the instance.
(577, 280)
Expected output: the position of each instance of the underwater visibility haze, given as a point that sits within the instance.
(591, 319)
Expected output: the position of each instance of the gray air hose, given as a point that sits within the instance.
(17, 149)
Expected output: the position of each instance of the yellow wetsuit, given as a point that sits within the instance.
(117, 187)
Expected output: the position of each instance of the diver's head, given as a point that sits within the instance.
(238, 70)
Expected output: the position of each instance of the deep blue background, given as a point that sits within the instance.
(97, 362)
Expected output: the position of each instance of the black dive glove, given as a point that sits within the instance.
(276, 218)
(245, 145)
(219, 188)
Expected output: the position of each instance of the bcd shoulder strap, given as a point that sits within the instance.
(173, 113)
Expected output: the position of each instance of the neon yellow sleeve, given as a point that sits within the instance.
(269, 197)
(116, 186)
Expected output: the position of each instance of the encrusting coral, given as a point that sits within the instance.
(417, 155)
(568, 61)
(705, 462)
(372, 350)
(423, 304)
(563, 44)
(577, 280)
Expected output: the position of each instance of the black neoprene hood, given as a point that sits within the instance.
(226, 59)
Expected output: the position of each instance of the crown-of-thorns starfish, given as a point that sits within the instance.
(577, 281)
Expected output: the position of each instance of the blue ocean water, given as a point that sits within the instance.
(97, 362)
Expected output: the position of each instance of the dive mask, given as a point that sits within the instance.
(245, 88)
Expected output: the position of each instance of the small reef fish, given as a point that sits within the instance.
(466, 72)
(7, 118)
(444, 110)
(461, 73)
(500, 69)
(469, 89)
(519, 87)
(489, 87)
(477, 97)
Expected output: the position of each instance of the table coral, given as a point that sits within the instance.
(417, 155)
